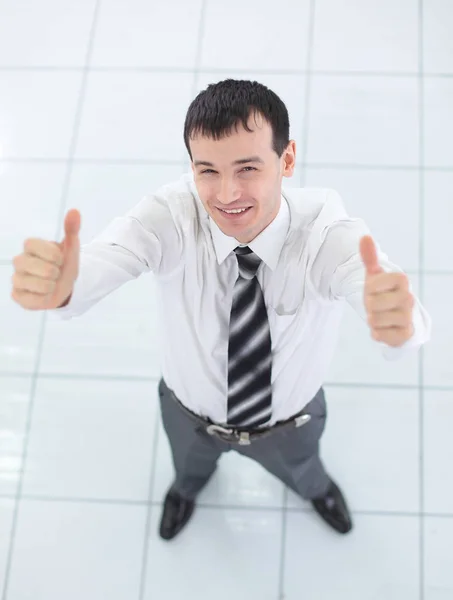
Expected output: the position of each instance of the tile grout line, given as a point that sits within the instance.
(151, 505)
(201, 29)
(215, 70)
(281, 568)
(428, 272)
(421, 220)
(52, 160)
(155, 379)
(303, 175)
(144, 568)
(41, 334)
(306, 119)
(215, 506)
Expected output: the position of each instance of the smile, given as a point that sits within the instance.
(234, 210)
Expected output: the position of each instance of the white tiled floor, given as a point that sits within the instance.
(37, 110)
(84, 461)
(381, 559)
(77, 550)
(364, 121)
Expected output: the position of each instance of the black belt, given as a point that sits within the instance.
(241, 435)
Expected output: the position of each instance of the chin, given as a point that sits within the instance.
(244, 231)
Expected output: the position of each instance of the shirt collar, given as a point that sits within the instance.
(267, 245)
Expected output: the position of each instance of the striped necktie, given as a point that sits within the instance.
(249, 348)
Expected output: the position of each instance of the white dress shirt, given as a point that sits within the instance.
(311, 264)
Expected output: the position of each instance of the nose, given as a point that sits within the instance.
(228, 192)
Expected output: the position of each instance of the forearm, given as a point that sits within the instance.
(103, 269)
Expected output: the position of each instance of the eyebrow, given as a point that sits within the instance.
(241, 161)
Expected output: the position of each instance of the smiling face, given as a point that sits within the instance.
(241, 171)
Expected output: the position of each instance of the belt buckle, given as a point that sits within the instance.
(242, 437)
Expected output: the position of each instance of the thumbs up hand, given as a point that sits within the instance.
(388, 301)
(45, 272)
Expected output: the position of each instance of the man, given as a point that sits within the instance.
(252, 277)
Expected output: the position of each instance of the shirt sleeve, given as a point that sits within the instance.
(339, 274)
(146, 239)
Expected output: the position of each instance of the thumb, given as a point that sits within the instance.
(72, 228)
(70, 245)
(369, 255)
(72, 223)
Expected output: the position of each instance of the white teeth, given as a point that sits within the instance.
(237, 210)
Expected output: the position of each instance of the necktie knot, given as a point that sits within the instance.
(248, 262)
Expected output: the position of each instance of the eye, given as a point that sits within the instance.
(250, 169)
(208, 171)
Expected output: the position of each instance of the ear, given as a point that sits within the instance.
(289, 159)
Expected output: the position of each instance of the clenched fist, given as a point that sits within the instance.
(46, 271)
(388, 301)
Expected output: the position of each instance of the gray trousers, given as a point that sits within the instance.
(292, 455)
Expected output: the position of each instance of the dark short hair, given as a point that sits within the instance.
(224, 105)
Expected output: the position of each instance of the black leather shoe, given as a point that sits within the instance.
(176, 513)
(333, 509)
